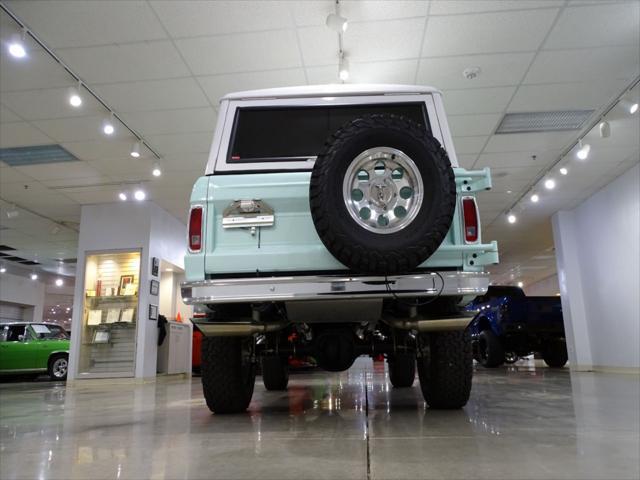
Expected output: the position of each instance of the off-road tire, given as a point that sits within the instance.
(228, 374)
(275, 372)
(555, 354)
(402, 370)
(53, 366)
(490, 351)
(356, 247)
(445, 369)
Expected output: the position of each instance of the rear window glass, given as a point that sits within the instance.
(299, 134)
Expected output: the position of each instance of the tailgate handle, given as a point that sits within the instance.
(248, 214)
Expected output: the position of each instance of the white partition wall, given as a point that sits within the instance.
(127, 227)
(598, 258)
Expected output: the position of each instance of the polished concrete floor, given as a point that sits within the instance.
(522, 422)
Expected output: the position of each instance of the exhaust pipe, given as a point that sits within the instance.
(236, 329)
(434, 325)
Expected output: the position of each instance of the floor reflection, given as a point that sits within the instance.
(523, 421)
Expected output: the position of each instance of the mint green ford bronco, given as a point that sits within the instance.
(333, 221)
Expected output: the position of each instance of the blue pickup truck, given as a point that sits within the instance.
(509, 325)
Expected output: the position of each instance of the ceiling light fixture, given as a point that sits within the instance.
(3, 269)
(583, 150)
(520, 284)
(122, 195)
(337, 23)
(343, 70)
(34, 276)
(563, 171)
(157, 169)
(633, 108)
(550, 184)
(75, 100)
(511, 218)
(471, 73)
(59, 282)
(605, 129)
(107, 125)
(535, 198)
(630, 105)
(139, 194)
(16, 45)
(135, 151)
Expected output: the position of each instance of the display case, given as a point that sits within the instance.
(110, 314)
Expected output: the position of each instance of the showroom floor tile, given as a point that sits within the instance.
(522, 422)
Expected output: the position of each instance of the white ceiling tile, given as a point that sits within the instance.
(37, 71)
(21, 134)
(473, 101)
(527, 142)
(126, 63)
(99, 149)
(371, 10)
(368, 41)
(12, 175)
(586, 65)
(466, 161)
(311, 12)
(401, 71)
(456, 7)
(123, 168)
(7, 116)
(153, 95)
(516, 31)
(62, 170)
(73, 129)
(49, 103)
(217, 86)
(597, 26)
(565, 96)
(98, 22)
(172, 121)
(319, 45)
(323, 75)
(469, 125)
(495, 70)
(469, 145)
(202, 18)
(241, 52)
(517, 159)
(181, 143)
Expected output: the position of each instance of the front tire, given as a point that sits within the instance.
(555, 355)
(402, 370)
(445, 368)
(58, 367)
(228, 373)
(490, 351)
(275, 372)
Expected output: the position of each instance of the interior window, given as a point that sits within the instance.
(48, 332)
(14, 332)
(299, 133)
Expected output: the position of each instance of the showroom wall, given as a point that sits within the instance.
(598, 258)
(22, 293)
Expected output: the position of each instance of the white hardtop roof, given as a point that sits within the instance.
(332, 90)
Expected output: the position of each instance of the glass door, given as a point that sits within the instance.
(110, 314)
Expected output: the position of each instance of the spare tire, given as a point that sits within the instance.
(382, 194)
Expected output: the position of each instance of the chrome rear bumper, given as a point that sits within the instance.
(332, 287)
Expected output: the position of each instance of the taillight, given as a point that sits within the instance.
(471, 222)
(195, 229)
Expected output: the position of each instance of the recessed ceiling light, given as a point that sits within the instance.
(550, 184)
(34, 276)
(471, 73)
(3, 269)
(123, 196)
(511, 218)
(59, 282)
(139, 195)
(520, 284)
(633, 108)
(563, 171)
(16, 46)
(535, 198)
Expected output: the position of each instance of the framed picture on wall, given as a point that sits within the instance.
(155, 266)
(124, 281)
(153, 312)
(155, 287)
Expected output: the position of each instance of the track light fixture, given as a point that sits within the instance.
(16, 47)
(563, 171)
(549, 184)
(605, 129)
(3, 269)
(157, 169)
(511, 218)
(337, 23)
(107, 126)
(75, 100)
(535, 198)
(139, 194)
(629, 105)
(343, 70)
(583, 150)
(135, 150)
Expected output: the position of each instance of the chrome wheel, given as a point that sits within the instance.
(383, 190)
(59, 367)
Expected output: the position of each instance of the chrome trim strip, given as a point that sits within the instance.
(332, 287)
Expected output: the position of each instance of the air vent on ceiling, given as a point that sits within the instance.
(36, 155)
(543, 121)
(6, 248)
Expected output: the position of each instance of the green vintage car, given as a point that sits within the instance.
(32, 348)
